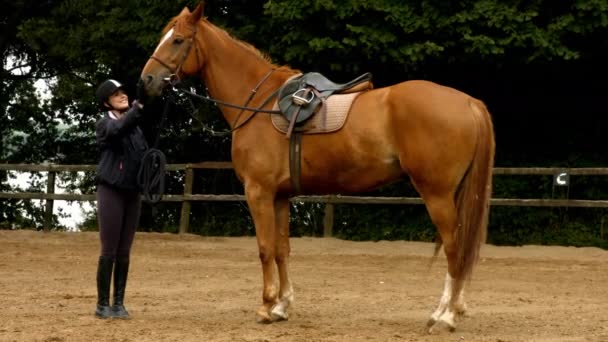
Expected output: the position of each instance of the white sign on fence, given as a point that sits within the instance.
(561, 178)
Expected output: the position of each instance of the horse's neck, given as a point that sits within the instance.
(232, 70)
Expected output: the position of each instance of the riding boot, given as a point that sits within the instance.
(104, 276)
(121, 270)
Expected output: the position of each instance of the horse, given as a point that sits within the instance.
(439, 137)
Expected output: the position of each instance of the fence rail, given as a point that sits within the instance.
(187, 197)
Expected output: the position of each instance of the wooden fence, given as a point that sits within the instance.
(187, 197)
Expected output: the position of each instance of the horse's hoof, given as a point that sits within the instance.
(279, 315)
(449, 324)
(262, 320)
(461, 309)
(432, 323)
(262, 317)
(277, 318)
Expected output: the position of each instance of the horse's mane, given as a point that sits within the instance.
(251, 49)
(225, 35)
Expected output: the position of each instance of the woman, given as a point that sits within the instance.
(122, 145)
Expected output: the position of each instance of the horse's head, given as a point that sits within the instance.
(177, 53)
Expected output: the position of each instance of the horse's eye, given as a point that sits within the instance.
(178, 40)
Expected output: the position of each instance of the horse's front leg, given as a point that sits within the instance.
(281, 210)
(261, 205)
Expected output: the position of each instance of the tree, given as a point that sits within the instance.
(530, 61)
(19, 107)
(404, 36)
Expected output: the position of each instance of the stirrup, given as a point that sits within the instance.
(302, 100)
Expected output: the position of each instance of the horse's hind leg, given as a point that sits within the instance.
(442, 211)
(279, 311)
(446, 311)
(261, 205)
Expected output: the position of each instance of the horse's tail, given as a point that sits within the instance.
(473, 199)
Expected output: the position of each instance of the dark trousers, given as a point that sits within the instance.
(118, 216)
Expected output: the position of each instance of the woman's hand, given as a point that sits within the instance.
(137, 104)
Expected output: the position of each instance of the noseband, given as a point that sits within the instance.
(173, 80)
(174, 76)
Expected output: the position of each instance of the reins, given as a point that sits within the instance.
(243, 109)
(151, 174)
(236, 125)
(174, 81)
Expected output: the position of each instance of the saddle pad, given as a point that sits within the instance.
(338, 107)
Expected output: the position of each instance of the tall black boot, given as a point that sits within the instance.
(104, 276)
(121, 270)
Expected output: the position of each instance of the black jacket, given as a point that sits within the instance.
(122, 145)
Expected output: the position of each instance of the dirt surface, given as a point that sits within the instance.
(191, 288)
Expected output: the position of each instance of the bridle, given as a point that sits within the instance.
(174, 80)
(150, 176)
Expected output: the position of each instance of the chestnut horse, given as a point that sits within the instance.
(440, 137)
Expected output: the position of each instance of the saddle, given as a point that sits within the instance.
(301, 97)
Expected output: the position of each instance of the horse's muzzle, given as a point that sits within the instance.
(152, 85)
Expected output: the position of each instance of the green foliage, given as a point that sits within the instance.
(532, 62)
(552, 226)
(548, 226)
(222, 219)
(411, 34)
(377, 222)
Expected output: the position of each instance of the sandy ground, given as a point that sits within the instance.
(191, 288)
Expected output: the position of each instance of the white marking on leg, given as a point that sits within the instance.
(279, 310)
(448, 318)
(445, 298)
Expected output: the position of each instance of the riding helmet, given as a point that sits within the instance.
(107, 88)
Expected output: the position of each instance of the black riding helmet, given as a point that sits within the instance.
(107, 88)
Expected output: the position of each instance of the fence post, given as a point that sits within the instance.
(48, 207)
(184, 220)
(328, 220)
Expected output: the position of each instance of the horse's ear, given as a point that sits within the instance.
(197, 13)
(185, 11)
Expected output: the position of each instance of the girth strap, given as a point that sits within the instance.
(292, 123)
(295, 155)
